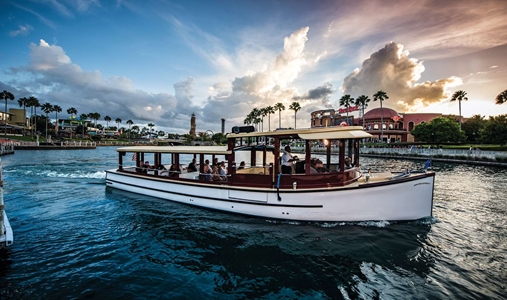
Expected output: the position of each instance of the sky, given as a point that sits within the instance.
(159, 61)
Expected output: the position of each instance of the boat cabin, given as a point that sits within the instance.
(339, 146)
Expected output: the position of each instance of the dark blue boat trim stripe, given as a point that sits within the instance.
(110, 182)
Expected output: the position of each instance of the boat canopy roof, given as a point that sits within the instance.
(335, 132)
(217, 150)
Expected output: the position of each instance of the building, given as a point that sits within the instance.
(383, 123)
(192, 126)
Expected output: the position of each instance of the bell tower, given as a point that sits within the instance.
(192, 125)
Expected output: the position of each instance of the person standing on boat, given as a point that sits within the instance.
(287, 161)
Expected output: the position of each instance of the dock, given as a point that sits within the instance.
(67, 145)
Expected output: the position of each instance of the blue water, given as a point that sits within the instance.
(77, 239)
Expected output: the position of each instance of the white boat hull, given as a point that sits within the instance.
(397, 200)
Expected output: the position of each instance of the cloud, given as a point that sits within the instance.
(59, 81)
(23, 30)
(261, 88)
(390, 69)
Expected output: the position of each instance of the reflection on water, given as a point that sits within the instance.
(77, 239)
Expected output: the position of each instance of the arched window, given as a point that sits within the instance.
(375, 127)
(410, 126)
(384, 126)
(391, 126)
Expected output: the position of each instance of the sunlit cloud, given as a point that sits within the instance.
(390, 69)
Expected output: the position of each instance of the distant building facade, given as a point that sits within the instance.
(382, 123)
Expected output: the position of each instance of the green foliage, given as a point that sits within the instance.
(495, 130)
(219, 138)
(439, 130)
(96, 138)
(473, 126)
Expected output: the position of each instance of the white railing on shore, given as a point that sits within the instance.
(434, 152)
(415, 151)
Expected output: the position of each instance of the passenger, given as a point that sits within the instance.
(241, 165)
(146, 165)
(348, 162)
(215, 162)
(162, 170)
(313, 162)
(222, 170)
(288, 160)
(207, 173)
(319, 166)
(215, 174)
(192, 167)
(174, 170)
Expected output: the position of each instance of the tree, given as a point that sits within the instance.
(57, 109)
(439, 130)
(22, 103)
(495, 130)
(83, 118)
(279, 106)
(269, 110)
(129, 122)
(473, 127)
(346, 101)
(362, 101)
(5, 95)
(71, 111)
(256, 117)
(47, 108)
(460, 96)
(295, 107)
(34, 102)
(107, 119)
(501, 98)
(263, 113)
(118, 121)
(381, 96)
(94, 116)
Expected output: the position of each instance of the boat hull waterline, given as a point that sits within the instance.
(404, 199)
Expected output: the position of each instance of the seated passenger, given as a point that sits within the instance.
(348, 162)
(222, 170)
(215, 174)
(162, 170)
(313, 170)
(319, 165)
(192, 167)
(241, 165)
(174, 170)
(207, 173)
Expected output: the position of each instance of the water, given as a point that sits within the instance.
(75, 239)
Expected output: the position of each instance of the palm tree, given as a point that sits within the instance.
(460, 96)
(71, 111)
(295, 107)
(501, 98)
(362, 101)
(5, 95)
(118, 121)
(83, 118)
(57, 109)
(269, 110)
(279, 106)
(263, 114)
(22, 103)
(47, 108)
(248, 120)
(135, 128)
(381, 96)
(107, 119)
(129, 122)
(256, 113)
(94, 116)
(346, 101)
(34, 102)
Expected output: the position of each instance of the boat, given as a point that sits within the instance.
(343, 191)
